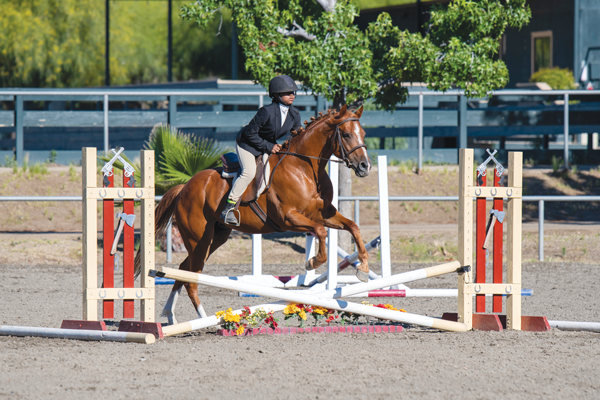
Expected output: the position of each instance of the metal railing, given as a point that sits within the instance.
(105, 94)
(357, 199)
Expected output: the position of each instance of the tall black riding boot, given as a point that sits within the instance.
(228, 214)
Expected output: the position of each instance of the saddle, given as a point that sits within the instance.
(232, 168)
(261, 182)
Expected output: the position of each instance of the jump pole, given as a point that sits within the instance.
(77, 334)
(323, 299)
(575, 326)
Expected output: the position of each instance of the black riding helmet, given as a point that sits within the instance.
(281, 84)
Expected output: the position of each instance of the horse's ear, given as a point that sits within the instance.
(359, 112)
(342, 111)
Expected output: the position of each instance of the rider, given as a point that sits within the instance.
(260, 136)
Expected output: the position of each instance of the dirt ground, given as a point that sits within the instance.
(417, 363)
(40, 285)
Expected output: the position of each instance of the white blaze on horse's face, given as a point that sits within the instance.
(357, 129)
(361, 164)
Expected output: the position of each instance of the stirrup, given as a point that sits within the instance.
(237, 220)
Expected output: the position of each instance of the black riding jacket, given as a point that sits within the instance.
(261, 134)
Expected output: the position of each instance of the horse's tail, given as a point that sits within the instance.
(162, 215)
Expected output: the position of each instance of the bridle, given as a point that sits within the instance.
(338, 138)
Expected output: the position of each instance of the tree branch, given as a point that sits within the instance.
(328, 5)
(296, 31)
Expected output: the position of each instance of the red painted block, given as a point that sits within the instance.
(84, 325)
(481, 322)
(530, 324)
(154, 328)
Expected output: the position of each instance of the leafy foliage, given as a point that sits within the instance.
(558, 79)
(177, 156)
(458, 50)
(52, 43)
(338, 60)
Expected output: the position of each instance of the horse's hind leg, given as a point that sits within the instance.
(169, 308)
(221, 235)
(197, 258)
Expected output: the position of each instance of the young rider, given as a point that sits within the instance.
(260, 136)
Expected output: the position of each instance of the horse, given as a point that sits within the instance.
(298, 199)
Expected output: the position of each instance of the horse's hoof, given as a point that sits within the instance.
(310, 264)
(362, 276)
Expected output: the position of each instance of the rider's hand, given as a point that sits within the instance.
(276, 148)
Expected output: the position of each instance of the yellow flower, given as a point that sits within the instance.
(319, 310)
(302, 315)
(229, 317)
(219, 314)
(291, 309)
(239, 331)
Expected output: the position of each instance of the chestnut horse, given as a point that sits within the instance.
(298, 200)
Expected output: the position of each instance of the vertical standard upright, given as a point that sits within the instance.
(145, 195)
(513, 219)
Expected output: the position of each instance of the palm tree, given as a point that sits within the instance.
(177, 156)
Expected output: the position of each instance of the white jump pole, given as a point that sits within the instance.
(302, 297)
(384, 217)
(332, 235)
(77, 334)
(256, 254)
(575, 326)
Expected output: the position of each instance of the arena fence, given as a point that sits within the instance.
(357, 199)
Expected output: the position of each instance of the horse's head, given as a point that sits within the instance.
(349, 141)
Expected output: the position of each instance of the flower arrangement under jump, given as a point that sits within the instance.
(238, 323)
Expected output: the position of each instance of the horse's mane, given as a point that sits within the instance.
(301, 132)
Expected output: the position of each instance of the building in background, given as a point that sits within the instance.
(561, 33)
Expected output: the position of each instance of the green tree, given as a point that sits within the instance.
(61, 43)
(315, 41)
(458, 50)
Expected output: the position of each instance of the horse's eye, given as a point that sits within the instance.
(345, 135)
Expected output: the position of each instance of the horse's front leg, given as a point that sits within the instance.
(297, 221)
(338, 221)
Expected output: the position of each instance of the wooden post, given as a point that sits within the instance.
(514, 218)
(90, 233)
(465, 236)
(128, 250)
(147, 227)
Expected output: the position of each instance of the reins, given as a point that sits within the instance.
(338, 138)
(345, 153)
